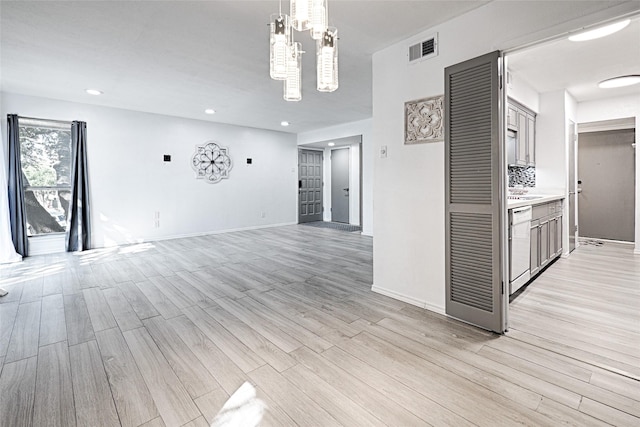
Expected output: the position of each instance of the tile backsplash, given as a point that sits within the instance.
(525, 176)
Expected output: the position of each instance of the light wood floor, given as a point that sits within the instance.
(162, 333)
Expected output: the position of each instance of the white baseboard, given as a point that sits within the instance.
(398, 296)
(435, 308)
(229, 230)
(408, 299)
(198, 234)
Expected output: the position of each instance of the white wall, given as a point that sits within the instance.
(522, 92)
(557, 109)
(364, 128)
(617, 108)
(129, 181)
(409, 183)
(551, 160)
(354, 184)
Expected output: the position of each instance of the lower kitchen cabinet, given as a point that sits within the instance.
(545, 236)
(544, 242)
(534, 242)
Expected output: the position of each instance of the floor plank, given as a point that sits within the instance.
(91, 391)
(192, 374)
(231, 345)
(54, 404)
(53, 327)
(297, 405)
(169, 395)
(124, 314)
(25, 333)
(222, 367)
(17, 388)
(130, 393)
(77, 320)
(99, 311)
(8, 314)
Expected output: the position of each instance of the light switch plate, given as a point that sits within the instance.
(383, 151)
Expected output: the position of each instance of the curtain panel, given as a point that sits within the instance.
(79, 228)
(17, 212)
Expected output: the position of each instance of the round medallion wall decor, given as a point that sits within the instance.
(211, 162)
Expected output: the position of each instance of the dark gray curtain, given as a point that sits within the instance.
(17, 212)
(79, 229)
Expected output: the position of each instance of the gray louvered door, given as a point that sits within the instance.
(475, 170)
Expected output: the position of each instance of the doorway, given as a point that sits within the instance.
(340, 185)
(310, 206)
(606, 179)
(348, 162)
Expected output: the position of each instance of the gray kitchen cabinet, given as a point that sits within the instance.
(544, 242)
(523, 143)
(556, 236)
(534, 255)
(521, 149)
(545, 235)
(531, 139)
(512, 117)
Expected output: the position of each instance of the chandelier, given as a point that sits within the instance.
(286, 54)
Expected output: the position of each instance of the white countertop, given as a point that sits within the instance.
(515, 203)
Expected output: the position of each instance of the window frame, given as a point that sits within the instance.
(29, 122)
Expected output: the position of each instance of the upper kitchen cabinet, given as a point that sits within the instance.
(521, 135)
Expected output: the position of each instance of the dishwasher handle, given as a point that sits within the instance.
(522, 209)
(520, 215)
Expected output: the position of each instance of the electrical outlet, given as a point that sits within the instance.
(263, 215)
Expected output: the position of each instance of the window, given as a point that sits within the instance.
(45, 153)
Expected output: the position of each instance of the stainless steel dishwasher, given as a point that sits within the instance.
(519, 247)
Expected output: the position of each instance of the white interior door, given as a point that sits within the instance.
(340, 185)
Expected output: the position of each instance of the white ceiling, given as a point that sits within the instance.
(180, 57)
(579, 66)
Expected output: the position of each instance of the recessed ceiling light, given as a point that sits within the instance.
(93, 92)
(210, 111)
(284, 123)
(599, 32)
(331, 144)
(619, 81)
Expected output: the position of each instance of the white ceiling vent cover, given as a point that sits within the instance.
(425, 49)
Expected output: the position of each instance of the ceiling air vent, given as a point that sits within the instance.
(423, 50)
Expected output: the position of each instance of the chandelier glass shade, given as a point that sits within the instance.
(286, 54)
(318, 19)
(293, 82)
(280, 43)
(327, 61)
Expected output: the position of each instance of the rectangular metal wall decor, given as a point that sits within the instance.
(423, 120)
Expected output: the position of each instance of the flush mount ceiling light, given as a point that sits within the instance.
(331, 144)
(93, 91)
(599, 32)
(209, 111)
(620, 81)
(286, 55)
(284, 123)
